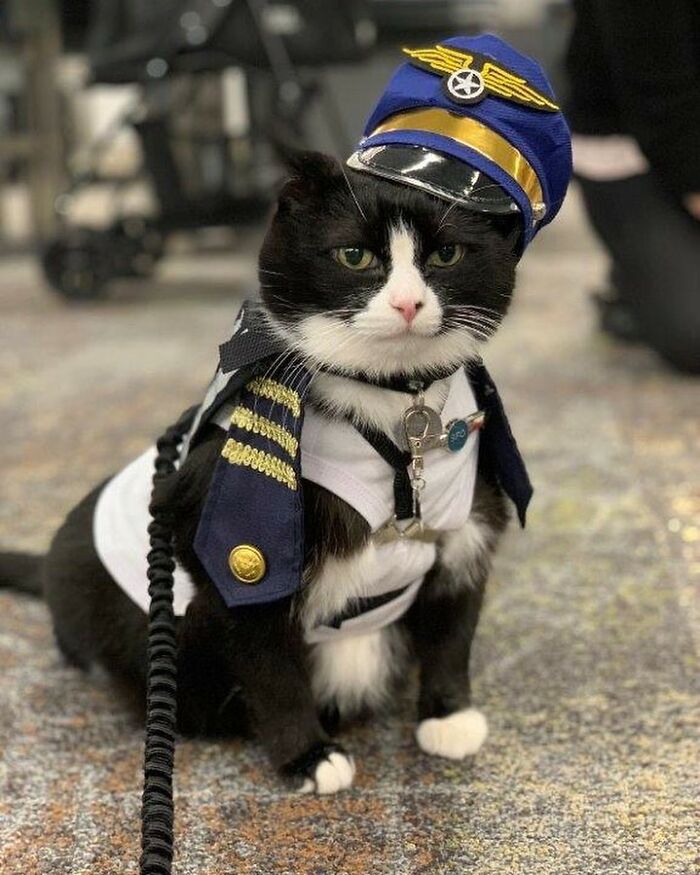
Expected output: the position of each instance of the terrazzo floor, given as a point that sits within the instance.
(586, 659)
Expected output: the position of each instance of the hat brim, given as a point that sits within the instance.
(438, 174)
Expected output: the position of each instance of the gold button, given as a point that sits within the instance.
(247, 563)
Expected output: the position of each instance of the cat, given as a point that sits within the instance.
(370, 279)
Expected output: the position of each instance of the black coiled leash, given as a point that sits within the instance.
(161, 702)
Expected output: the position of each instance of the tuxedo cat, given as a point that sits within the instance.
(365, 279)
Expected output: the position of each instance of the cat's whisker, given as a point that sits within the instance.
(298, 367)
(486, 187)
(492, 292)
(295, 368)
(474, 324)
(354, 196)
(470, 307)
(484, 326)
(446, 214)
(473, 317)
(302, 364)
(274, 365)
(483, 316)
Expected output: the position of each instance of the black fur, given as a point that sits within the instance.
(317, 213)
(443, 619)
(21, 572)
(305, 765)
(248, 669)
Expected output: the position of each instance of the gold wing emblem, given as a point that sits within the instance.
(439, 59)
(506, 84)
(499, 82)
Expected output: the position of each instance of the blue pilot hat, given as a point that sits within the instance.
(464, 114)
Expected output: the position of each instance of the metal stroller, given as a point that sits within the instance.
(166, 48)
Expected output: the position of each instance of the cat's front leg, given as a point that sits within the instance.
(442, 622)
(269, 658)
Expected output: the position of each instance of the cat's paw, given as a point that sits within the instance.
(456, 736)
(325, 769)
(331, 775)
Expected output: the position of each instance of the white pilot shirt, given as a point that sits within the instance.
(336, 456)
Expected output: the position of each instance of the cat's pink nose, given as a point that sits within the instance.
(408, 308)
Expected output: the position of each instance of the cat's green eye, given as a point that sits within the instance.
(355, 257)
(447, 255)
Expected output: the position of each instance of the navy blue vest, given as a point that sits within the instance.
(250, 537)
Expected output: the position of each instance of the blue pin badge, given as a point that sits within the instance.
(458, 430)
(457, 434)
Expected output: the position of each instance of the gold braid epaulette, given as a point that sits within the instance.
(265, 463)
(253, 422)
(276, 392)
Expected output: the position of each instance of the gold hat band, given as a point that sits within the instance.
(475, 135)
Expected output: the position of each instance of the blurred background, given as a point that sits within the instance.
(124, 124)
(139, 160)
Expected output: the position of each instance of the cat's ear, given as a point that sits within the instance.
(311, 174)
(311, 165)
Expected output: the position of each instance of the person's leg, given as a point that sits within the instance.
(655, 249)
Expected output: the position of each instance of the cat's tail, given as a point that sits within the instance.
(21, 572)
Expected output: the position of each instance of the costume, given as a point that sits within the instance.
(266, 453)
(453, 120)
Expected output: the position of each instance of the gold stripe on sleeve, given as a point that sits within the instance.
(257, 424)
(265, 463)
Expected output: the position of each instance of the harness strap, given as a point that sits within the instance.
(362, 605)
(399, 461)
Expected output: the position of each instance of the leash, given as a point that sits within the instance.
(157, 809)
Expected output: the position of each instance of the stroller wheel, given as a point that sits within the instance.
(137, 246)
(78, 264)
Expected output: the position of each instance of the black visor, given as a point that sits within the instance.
(438, 174)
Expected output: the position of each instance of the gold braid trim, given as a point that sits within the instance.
(265, 463)
(276, 392)
(473, 134)
(253, 422)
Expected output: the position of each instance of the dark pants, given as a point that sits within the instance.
(655, 249)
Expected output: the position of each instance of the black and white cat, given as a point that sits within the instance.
(362, 277)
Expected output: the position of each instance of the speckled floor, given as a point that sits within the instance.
(586, 661)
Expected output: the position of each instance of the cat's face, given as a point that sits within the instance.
(363, 275)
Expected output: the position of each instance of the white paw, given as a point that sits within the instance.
(331, 775)
(456, 736)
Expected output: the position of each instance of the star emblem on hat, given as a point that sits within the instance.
(466, 86)
(469, 77)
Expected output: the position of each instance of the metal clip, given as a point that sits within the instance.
(414, 531)
(423, 429)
